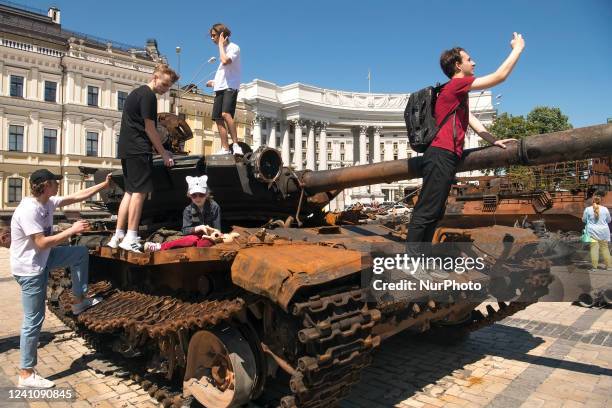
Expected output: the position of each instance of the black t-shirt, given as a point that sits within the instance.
(140, 104)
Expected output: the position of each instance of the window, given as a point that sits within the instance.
(16, 138)
(409, 155)
(303, 156)
(278, 141)
(382, 146)
(50, 141)
(342, 146)
(328, 156)
(15, 190)
(50, 91)
(264, 124)
(278, 126)
(121, 97)
(92, 144)
(342, 156)
(303, 144)
(328, 145)
(117, 147)
(329, 167)
(92, 95)
(17, 86)
(395, 156)
(394, 146)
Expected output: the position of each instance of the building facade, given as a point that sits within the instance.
(61, 100)
(196, 107)
(320, 129)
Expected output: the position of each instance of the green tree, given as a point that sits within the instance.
(541, 119)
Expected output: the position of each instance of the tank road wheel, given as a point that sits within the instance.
(221, 368)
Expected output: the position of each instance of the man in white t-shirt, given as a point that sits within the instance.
(226, 85)
(35, 251)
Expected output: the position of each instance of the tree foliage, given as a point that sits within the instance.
(541, 119)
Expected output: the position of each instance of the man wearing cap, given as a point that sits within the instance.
(35, 251)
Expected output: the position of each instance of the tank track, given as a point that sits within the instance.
(142, 318)
(337, 344)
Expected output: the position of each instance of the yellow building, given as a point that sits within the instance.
(196, 107)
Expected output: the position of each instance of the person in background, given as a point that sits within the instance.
(597, 217)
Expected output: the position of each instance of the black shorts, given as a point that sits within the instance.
(225, 102)
(138, 173)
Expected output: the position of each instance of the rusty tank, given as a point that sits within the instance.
(283, 309)
(555, 194)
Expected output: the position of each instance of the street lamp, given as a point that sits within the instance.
(178, 82)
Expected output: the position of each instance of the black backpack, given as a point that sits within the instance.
(420, 118)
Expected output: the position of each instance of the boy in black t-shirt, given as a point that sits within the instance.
(137, 137)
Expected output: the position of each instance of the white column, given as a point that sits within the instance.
(272, 134)
(297, 140)
(32, 84)
(363, 129)
(31, 142)
(70, 86)
(285, 148)
(78, 90)
(257, 132)
(107, 139)
(107, 92)
(3, 132)
(377, 130)
(323, 146)
(310, 147)
(376, 152)
(1, 77)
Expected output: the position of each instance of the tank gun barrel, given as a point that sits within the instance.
(574, 144)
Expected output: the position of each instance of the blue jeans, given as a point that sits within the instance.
(34, 294)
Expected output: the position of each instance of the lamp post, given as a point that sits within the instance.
(178, 83)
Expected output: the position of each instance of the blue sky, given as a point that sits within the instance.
(567, 62)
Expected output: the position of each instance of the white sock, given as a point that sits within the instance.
(119, 233)
(131, 235)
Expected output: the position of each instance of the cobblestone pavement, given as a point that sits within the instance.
(549, 355)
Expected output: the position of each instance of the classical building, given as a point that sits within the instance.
(319, 129)
(61, 97)
(196, 107)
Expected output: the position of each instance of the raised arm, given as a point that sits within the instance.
(225, 60)
(500, 75)
(86, 193)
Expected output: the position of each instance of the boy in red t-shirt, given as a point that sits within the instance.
(442, 157)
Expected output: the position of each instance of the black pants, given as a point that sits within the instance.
(439, 168)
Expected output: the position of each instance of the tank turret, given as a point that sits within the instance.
(257, 188)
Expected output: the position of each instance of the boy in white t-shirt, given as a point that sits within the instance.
(35, 252)
(226, 85)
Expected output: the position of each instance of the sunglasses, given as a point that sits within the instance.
(194, 195)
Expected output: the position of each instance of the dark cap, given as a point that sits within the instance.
(42, 175)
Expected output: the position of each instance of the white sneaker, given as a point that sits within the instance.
(114, 242)
(131, 245)
(237, 149)
(223, 151)
(85, 304)
(35, 381)
(152, 246)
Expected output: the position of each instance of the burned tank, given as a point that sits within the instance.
(286, 308)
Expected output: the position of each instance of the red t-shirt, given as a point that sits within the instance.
(455, 91)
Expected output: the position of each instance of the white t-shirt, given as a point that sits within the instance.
(228, 76)
(31, 217)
